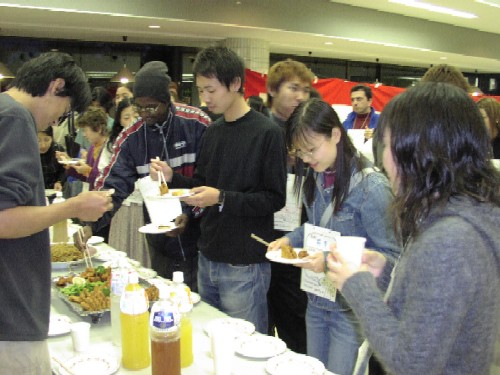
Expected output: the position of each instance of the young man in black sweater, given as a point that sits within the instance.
(240, 181)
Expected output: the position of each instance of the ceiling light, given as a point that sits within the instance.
(5, 72)
(491, 3)
(124, 75)
(434, 8)
(154, 26)
(328, 43)
(443, 58)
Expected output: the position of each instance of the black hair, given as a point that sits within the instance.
(49, 131)
(365, 89)
(317, 116)
(35, 76)
(117, 126)
(220, 63)
(257, 103)
(103, 97)
(441, 149)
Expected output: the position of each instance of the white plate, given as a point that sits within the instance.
(173, 193)
(59, 325)
(146, 273)
(91, 364)
(109, 255)
(259, 346)
(153, 228)
(195, 298)
(239, 327)
(65, 265)
(49, 192)
(275, 256)
(94, 240)
(293, 363)
(69, 162)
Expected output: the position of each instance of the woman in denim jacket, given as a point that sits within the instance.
(359, 198)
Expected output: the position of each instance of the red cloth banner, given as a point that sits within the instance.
(334, 90)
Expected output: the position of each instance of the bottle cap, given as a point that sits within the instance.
(133, 278)
(59, 194)
(163, 292)
(178, 277)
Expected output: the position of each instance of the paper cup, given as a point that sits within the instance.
(351, 248)
(80, 334)
(222, 342)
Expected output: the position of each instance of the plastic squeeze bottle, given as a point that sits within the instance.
(165, 335)
(134, 318)
(119, 279)
(60, 229)
(183, 293)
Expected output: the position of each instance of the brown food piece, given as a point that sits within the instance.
(287, 252)
(303, 254)
(163, 188)
(177, 193)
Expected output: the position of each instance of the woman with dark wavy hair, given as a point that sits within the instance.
(442, 312)
(342, 192)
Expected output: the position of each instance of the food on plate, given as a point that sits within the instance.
(153, 293)
(96, 299)
(302, 254)
(163, 188)
(165, 226)
(64, 252)
(90, 289)
(98, 274)
(287, 252)
(177, 193)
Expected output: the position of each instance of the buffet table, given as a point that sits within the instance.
(61, 348)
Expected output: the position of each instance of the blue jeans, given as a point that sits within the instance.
(333, 337)
(239, 290)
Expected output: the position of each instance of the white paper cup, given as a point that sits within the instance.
(351, 248)
(222, 342)
(80, 334)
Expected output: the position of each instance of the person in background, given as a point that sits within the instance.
(124, 91)
(54, 174)
(257, 104)
(363, 115)
(289, 83)
(343, 193)
(441, 312)
(172, 133)
(240, 181)
(490, 111)
(103, 99)
(93, 123)
(123, 233)
(447, 74)
(44, 89)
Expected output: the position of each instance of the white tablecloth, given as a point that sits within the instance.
(100, 338)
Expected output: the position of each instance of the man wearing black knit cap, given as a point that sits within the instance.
(173, 134)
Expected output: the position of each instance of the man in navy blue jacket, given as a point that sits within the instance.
(172, 133)
(363, 116)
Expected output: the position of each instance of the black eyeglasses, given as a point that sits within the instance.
(149, 109)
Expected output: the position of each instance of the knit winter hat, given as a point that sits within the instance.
(152, 80)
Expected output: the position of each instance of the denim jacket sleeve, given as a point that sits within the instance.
(376, 220)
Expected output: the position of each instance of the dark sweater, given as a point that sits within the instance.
(25, 261)
(53, 171)
(247, 159)
(443, 309)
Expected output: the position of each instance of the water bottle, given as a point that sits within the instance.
(134, 319)
(60, 229)
(165, 335)
(183, 294)
(119, 279)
